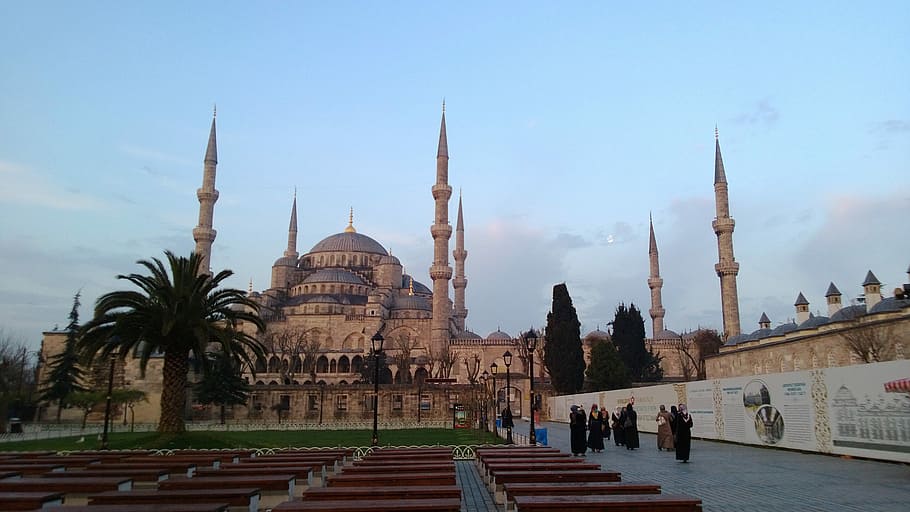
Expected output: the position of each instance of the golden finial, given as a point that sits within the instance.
(716, 133)
(411, 286)
(350, 228)
(251, 285)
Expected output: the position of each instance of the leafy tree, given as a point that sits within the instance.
(179, 310)
(86, 401)
(692, 350)
(563, 354)
(606, 370)
(629, 340)
(222, 384)
(65, 375)
(128, 398)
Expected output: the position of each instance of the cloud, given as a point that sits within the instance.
(763, 113)
(887, 130)
(571, 241)
(25, 186)
(152, 154)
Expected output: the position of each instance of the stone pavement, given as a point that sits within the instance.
(736, 478)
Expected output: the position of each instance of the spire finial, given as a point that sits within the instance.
(214, 110)
(716, 132)
(251, 285)
(295, 193)
(411, 286)
(443, 105)
(350, 228)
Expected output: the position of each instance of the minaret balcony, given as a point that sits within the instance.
(442, 192)
(655, 282)
(440, 272)
(459, 282)
(206, 195)
(202, 233)
(723, 225)
(727, 268)
(441, 231)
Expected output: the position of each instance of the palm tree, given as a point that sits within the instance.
(178, 315)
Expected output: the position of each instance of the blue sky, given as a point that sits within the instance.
(567, 125)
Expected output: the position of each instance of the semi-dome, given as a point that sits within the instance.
(412, 302)
(286, 261)
(597, 334)
(418, 286)
(498, 335)
(467, 335)
(349, 242)
(814, 321)
(333, 275)
(666, 334)
(848, 313)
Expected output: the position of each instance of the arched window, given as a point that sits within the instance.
(320, 261)
(344, 365)
(354, 260)
(332, 288)
(344, 260)
(356, 364)
(274, 364)
(332, 259)
(322, 364)
(296, 364)
(306, 288)
(261, 366)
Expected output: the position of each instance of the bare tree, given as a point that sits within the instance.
(17, 375)
(442, 361)
(472, 367)
(404, 345)
(871, 342)
(290, 345)
(693, 350)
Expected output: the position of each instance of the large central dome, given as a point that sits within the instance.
(349, 242)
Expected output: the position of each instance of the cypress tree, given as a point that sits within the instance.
(64, 376)
(563, 354)
(607, 370)
(629, 339)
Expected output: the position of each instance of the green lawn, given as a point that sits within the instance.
(262, 439)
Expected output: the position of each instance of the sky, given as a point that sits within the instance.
(568, 125)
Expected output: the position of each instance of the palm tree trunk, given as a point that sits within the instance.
(173, 392)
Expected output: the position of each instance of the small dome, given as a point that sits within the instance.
(814, 321)
(349, 242)
(333, 275)
(759, 334)
(498, 335)
(467, 335)
(890, 304)
(389, 260)
(735, 340)
(782, 329)
(597, 334)
(848, 313)
(286, 261)
(666, 334)
(412, 302)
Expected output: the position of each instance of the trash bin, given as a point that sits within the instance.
(541, 434)
(15, 426)
(498, 422)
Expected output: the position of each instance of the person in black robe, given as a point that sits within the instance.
(605, 422)
(673, 414)
(630, 427)
(683, 433)
(577, 426)
(616, 422)
(595, 431)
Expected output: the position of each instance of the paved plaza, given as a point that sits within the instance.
(737, 478)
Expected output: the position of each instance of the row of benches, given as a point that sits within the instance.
(540, 479)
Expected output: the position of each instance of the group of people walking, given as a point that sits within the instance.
(588, 431)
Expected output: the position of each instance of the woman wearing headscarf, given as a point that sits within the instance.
(664, 431)
(577, 425)
(604, 421)
(630, 426)
(673, 414)
(683, 433)
(616, 422)
(595, 430)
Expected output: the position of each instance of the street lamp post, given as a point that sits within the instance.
(486, 402)
(376, 340)
(107, 405)
(531, 344)
(507, 358)
(494, 369)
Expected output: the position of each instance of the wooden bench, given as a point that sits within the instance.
(141, 477)
(587, 475)
(238, 500)
(576, 489)
(369, 479)
(494, 469)
(75, 490)
(273, 488)
(631, 502)
(401, 468)
(133, 507)
(303, 476)
(31, 470)
(391, 505)
(198, 460)
(321, 469)
(6, 474)
(382, 492)
(173, 468)
(29, 500)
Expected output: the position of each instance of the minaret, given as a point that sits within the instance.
(291, 251)
(460, 282)
(203, 233)
(440, 271)
(655, 283)
(727, 268)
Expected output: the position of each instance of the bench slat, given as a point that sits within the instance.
(403, 505)
(632, 502)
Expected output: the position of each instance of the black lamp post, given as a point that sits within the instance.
(494, 369)
(107, 405)
(531, 343)
(486, 402)
(376, 340)
(507, 358)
